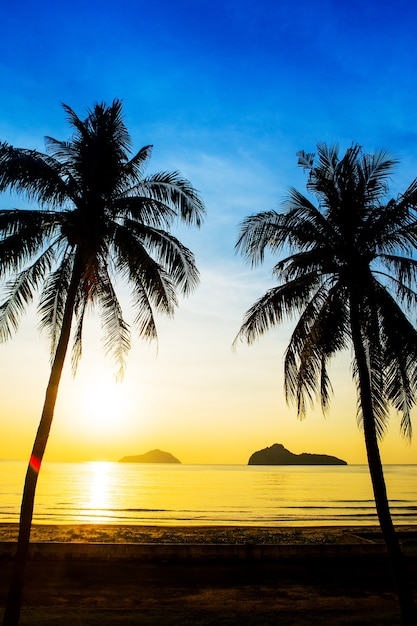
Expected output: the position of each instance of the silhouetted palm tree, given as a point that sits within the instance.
(97, 216)
(350, 276)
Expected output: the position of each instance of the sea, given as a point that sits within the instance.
(193, 495)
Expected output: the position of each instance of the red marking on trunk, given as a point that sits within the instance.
(35, 463)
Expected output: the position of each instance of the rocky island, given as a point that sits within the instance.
(278, 455)
(153, 456)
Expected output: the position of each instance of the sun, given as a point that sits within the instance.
(103, 404)
(98, 418)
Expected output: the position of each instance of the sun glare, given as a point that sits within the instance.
(103, 404)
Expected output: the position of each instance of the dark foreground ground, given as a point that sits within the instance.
(303, 593)
(300, 591)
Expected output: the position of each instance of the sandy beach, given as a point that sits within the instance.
(112, 533)
(291, 591)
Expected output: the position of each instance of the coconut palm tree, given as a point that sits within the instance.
(349, 275)
(96, 216)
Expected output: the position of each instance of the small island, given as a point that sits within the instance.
(153, 456)
(278, 455)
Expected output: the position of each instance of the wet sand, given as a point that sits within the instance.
(296, 592)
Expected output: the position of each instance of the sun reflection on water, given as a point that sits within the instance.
(99, 489)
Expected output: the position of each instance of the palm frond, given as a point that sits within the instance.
(62, 151)
(257, 233)
(168, 251)
(379, 402)
(318, 261)
(116, 330)
(278, 304)
(75, 121)
(303, 223)
(321, 332)
(20, 292)
(376, 170)
(133, 170)
(400, 357)
(36, 176)
(172, 190)
(305, 159)
(148, 279)
(145, 319)
(23, 236)
(52, 301)
(77, 343)
(401, 275)
(146, 211)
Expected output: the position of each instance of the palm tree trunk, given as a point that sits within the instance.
(14, 599)
(397, 559)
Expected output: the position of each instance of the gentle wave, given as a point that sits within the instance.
(210, 495)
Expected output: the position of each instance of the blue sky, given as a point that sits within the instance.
(217, 74)
(227, 92)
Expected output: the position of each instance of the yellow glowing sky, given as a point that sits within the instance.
(194, 396)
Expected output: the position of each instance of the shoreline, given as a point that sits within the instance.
(225, 534)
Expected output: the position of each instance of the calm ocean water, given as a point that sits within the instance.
(118, 493)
